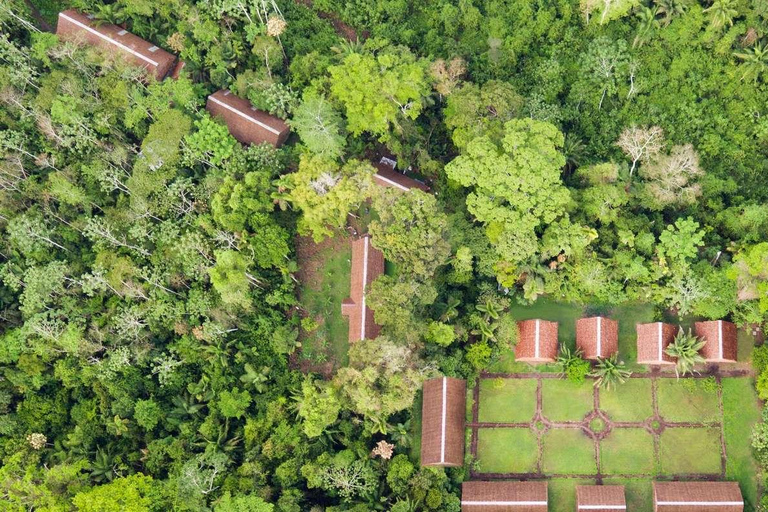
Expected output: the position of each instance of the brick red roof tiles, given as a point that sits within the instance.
(721, 340)
(246, 123)
(597, 337)
(386, 176)
(697, 497)
(536, 341)
(367, 265)
(600, 498)
(443, 415)
(504, 496)
(652, 342)
(74, 25)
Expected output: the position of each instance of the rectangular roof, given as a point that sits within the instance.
(443, 414)
(652, 342)
(367, 265)
(386, 176)
(600, 498)
(536, 341)
(116, 40)
(504, 496)
(597, 336)
(697, 497)
(246, 123)
(721, 340)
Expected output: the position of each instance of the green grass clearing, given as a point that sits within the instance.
(628, 315)
(638, 491)
(568, 450)
(631, 401)
(688, 399)
(562, 400)
(628, 451)
(690, 450)
(740, 413)
(562, 492)
(507, 450)
(507, 400)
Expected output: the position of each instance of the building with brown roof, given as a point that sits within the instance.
(652, 342)
(443, 414)
(536, 341)
(600, 498)
(697, 497)
(367, 265)
(597, 337)
(721, 340)
(245, 122)
(387, 176)
(504, 496)
(115, 40)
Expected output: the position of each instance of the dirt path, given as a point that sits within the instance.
(654, 425)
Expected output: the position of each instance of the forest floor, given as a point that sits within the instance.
(324, 273)
(654, 426)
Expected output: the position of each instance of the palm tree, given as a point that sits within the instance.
(647, 26)
(610, 372)
(449, 309)
(490, 310)
(574, 151)
(755, 61)
(685, 348)
(721, 13)
(669, 9)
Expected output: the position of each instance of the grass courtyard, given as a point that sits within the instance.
(536, 425)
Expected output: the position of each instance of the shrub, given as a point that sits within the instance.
(572, 365)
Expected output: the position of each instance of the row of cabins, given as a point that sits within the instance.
(598, 337)
(442, 445)
(532, 496)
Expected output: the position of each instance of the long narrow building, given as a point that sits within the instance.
(116, 41)
(652, 342)
(443, 414)
(367, 265)
(246, 123)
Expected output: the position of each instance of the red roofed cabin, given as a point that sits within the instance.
(697, 497)
(387, 176)
(652, 342)
(597, 337)
(246, 123)
(367, 265)
(536, 341)
(443, 412)
(503, 496)
(721, 341)
(600, 498)
(76, 26)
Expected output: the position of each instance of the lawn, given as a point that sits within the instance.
(323, 290)
(507, 450)
(568, 451)
(739, 419)
(627, 316)
(627, 451)
(562, 400)
(638, 491)
(689, 400)
(632, 401)
(507, 400)
(562, 492)
(690, 450)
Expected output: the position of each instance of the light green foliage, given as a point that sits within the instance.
(440, 333)
(318, 406)
(680, 242)
(230, 278)
(380, 89)
(326, 193)
(210, 144)
(241, 503)
(685, 349)
(515, 185)
(320, 126)
(132, 493)
(233, 404)
(147, 413)
(410, 231)
(750, 271)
